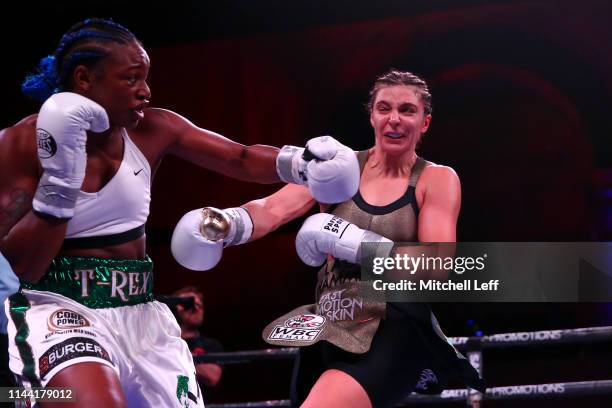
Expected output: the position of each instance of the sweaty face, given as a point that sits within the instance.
(121, 86)
(398, 119)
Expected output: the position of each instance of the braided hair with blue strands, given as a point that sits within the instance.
(85, 43)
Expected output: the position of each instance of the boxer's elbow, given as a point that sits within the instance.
(24, 265)
(26, 268)
(31, 244)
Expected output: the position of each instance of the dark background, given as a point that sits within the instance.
(522, 95)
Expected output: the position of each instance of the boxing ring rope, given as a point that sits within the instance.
(473, 347)
(514, 392)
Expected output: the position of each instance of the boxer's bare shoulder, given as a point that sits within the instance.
(19, 171)
(157, 132)
(18, 148)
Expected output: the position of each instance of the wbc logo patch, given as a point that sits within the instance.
(302, 327)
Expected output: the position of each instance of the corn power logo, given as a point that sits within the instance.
(63, 319)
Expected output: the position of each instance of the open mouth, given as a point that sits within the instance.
(139, 113)
(394, 135)
(139, 110)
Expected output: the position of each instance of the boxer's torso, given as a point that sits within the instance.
(21, 171)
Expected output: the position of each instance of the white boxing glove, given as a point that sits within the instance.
(200, 236)
(61, 129)
(327, 167)
(323, 234)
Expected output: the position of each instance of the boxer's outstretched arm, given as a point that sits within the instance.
(287, 204)
(200, 236)
(213, 151)
(327, 167)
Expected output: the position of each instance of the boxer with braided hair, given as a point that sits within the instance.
(75, 185)
(85, 43)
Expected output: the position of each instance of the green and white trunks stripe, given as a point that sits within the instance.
(99, 282)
